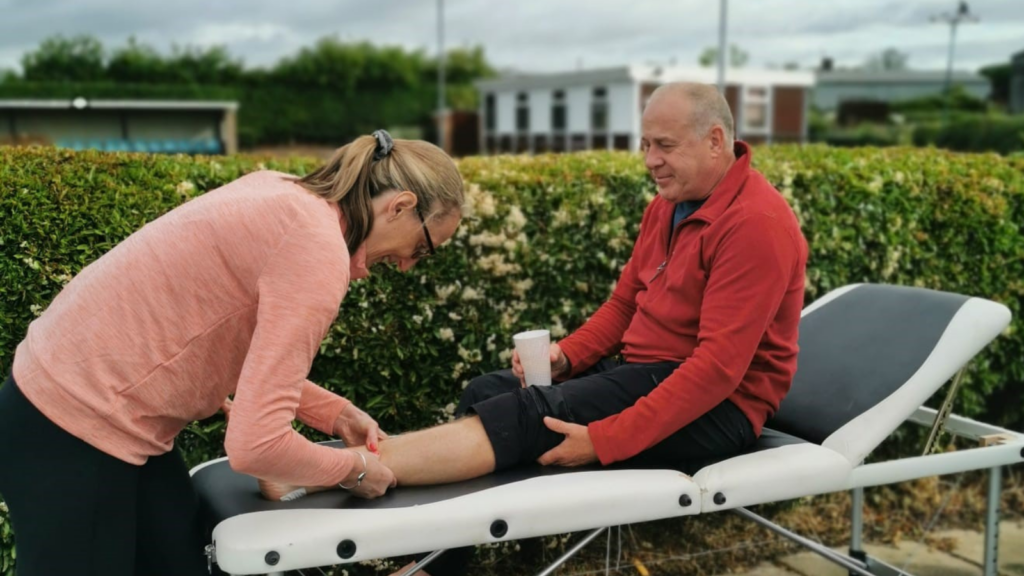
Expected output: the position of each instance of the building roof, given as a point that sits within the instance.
(83, 103)
(896, 77)
(645, 73)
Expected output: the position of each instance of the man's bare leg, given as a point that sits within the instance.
(440, 455)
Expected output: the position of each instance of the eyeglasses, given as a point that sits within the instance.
(420, 253)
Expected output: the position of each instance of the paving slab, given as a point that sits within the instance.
(970, 546)
(914, 557)
(767, 569)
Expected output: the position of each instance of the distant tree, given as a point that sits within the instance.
(462, 67)
(791, 66)
(888, 60)
(79, 58)
(211, 65)
(999, 76)
(737, 57)
(138, 63)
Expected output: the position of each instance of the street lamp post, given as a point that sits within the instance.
(721, 46)
(442, 120)
(962, 14)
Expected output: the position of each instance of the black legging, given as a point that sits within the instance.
(513, 420)
(77, 510)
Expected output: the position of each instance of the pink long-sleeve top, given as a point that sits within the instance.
(231, 292)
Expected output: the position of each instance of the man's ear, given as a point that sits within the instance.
(716, 140)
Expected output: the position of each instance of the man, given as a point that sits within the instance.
(705, 317)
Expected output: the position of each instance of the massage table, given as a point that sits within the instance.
(870, 356)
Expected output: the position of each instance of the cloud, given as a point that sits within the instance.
(533, 34)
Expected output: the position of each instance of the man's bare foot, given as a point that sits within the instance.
(278, 491)
(405, 568)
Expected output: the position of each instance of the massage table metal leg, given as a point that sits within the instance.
(415, 569)
(995, 484)
(572, 552)
(854, 566)
(857, 526)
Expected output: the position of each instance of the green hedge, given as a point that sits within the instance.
(544, 244)
(974, 133)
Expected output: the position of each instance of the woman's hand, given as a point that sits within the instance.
(356, 428)
(559, 365)
(377, 480)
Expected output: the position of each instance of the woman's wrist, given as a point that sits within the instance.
(356, 476)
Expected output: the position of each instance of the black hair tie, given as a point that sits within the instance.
(384, 144)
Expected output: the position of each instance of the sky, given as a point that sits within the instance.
(536, 35)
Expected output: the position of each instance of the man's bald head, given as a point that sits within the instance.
(687, 140)
(705, 104)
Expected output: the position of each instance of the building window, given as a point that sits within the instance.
(522, 112)
(599, 110)
(490, 113)
(756, 106)
(558, 111)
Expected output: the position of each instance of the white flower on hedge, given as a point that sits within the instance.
(561, 217)
(185, 187)
(496, 264)
(515, 219)
(490, 343)
(428, 312)
(417, 318)
(443, 292)
(478, 202)
(473, 355)
(505, 355)
(469, 293)
(892, 262)
(510, 245)
(557, 329)
(457, 369)
(582, 287)
(875, 186)
(521, 287)
(454, 316)
(486, 238)
(446, 334)
(450, 408)
(36, 309)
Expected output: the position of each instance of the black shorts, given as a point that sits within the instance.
(513, 416)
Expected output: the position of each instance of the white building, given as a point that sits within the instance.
(601, 108)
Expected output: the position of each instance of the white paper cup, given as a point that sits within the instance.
(534, 348)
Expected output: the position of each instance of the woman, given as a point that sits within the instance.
(230, 293)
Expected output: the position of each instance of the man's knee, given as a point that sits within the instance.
(485, 387)
(514, 423)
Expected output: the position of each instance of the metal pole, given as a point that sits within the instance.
(442, 127)
(572, 552)
(423, 563)
(857, 525)
(949, 70)
(855, 566)
(995, 484)
(857, 521)
(721, 46)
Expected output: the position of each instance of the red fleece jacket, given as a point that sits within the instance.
(721, 293)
